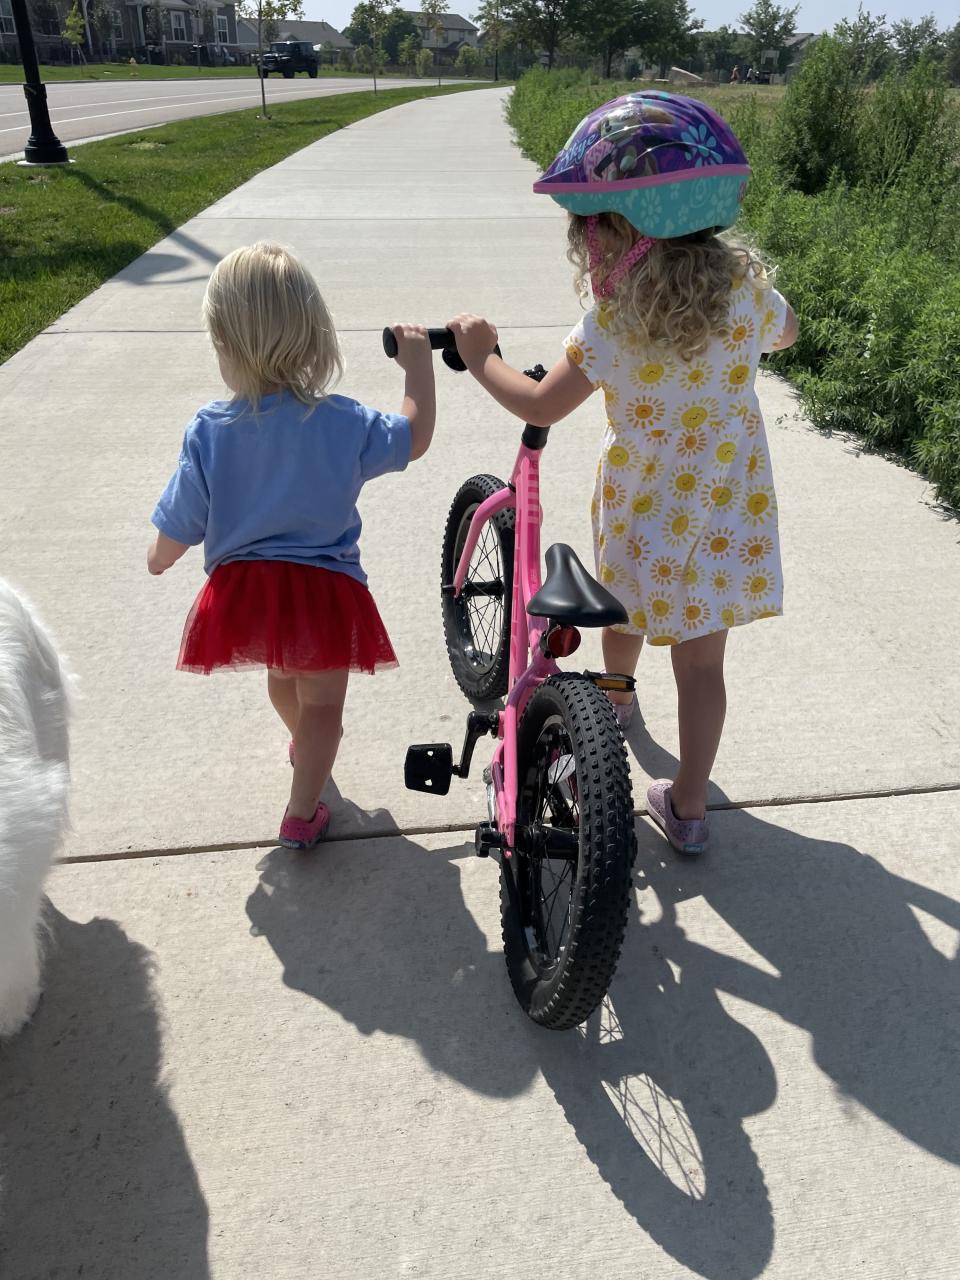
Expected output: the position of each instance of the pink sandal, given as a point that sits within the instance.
(687, 836)
(303, 833)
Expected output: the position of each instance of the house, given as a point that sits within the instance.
(457, 31)
(172, 35)
(790, 57)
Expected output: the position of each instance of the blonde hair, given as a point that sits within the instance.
(678, 294)
(265, 314)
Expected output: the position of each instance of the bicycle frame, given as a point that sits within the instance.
(529, 666)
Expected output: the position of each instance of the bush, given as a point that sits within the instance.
(424, 62)
(816, 133)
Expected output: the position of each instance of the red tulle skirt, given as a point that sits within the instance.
(291, 617)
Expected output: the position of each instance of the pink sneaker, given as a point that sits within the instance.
(300, 833)
(689, 837)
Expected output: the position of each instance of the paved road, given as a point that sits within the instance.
(91, 110)
(250, 1064)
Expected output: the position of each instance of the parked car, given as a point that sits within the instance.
(290, 56)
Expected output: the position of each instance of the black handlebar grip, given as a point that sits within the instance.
(440, 340)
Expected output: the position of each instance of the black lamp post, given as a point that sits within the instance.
(43, 145)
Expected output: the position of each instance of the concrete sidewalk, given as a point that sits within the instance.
(249, 1064)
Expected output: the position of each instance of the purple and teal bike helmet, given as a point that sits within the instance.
(666, 163)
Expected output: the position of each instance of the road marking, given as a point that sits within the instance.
(108, 115)
(254, 92)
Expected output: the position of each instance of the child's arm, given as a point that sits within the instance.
(419, 398)
(164, 553)
(790, 331)
(541, 403)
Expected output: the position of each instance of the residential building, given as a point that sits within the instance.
(457, 31)
(183, 24)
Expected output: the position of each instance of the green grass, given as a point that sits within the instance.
(64, 231)
(11, 74)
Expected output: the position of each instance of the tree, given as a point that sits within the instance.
(913, 41)
(267, 14)
(468, 59)
(424, 62)
(100, 15)
(951, 63)
(363, 59)
(496, 31)
(372, 22)
(433, 11)
(667, 32)
(153, 19)
(541, 23)
(720, 49)
(74, 30)
(608, 28)
(408, 50)
(868, 39)
(768, 27)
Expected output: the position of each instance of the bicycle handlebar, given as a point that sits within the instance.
(440, 340)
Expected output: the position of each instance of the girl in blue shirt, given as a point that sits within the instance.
(268, 481)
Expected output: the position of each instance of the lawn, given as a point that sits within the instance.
(65, 231)
(12, 74)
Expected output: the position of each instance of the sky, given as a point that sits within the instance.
(816, 15)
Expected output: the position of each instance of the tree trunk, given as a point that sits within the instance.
(263, 87)
(609, 61)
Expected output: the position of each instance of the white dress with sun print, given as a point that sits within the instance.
(684, 512)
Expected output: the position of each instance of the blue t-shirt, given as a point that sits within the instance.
(281, 483)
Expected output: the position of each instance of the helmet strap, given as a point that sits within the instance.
(603, 286)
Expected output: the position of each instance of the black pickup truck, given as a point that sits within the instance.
(290, 56)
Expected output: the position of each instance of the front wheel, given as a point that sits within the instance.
(565, 891)
(288, 75)
(312, 73)
(476, 623)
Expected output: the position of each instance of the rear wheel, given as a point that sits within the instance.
(565, 891)
(288, 75)
(476, 624)
(312, 73)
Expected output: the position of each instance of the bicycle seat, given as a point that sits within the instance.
(571, 594)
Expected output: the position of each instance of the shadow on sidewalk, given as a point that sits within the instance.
(659, 1082)
(95, 1176)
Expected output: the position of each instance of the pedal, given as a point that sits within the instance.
(429, 767)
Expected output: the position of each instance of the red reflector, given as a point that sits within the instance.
(564, 641)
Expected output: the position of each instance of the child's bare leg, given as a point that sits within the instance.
(316, 738)
(621, 653)
(702, 706)
(282, 687)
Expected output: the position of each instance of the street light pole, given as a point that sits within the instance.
(43, 145)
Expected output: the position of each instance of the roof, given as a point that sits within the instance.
(799, 38)
(451, 21)
(314, 32)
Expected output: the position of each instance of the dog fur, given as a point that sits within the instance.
(34, 784)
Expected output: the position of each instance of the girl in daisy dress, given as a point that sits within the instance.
(684, 509)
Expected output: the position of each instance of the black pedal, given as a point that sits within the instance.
(429, 767)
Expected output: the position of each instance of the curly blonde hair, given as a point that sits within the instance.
(678, 294)
(264, 311)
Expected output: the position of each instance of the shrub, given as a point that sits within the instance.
(816, 133)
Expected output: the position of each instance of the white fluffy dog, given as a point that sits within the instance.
(34, 781)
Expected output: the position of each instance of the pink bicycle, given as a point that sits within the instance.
(559, 800)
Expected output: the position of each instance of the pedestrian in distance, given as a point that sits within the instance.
(684, 509)
(268, 481)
